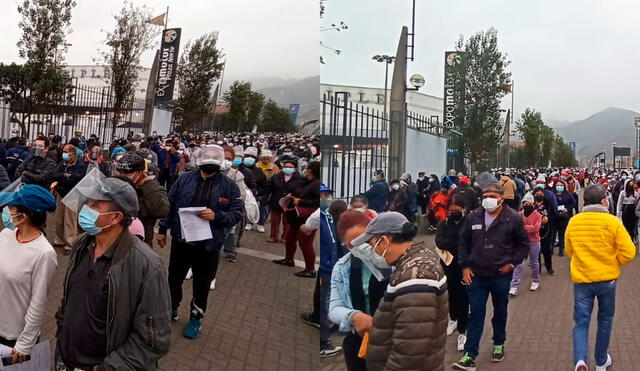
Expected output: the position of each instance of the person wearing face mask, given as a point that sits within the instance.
(220, 196)
(229, 247)
(287, 154)
(566, 208)
(357, 285)
(153, 200)
(378, 194)
(422, 184)
(119, 317)
(37, 169)
(70, 171)
(360, 203)
(626, 208)
(409, 326)
(15, 157)
(280, 185)
(28, 263)
(305, 198)
(399, 199)
(532, 223)
(493, 242)
(542, 207)
(448, 239)
(168, 160)
(94, 159)
(262, 187)
(598, 245)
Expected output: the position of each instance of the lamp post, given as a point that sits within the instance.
(613, 155)
(387, 60)
(636, 122)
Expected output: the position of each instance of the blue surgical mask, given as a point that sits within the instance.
(87, 219)
(288, 170)
(249, 161)
(66, 157)
(288, 154)
(7, 220)
(560, 189)
(237, 161)
(540, 185)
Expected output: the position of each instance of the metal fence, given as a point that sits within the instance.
(88, 108)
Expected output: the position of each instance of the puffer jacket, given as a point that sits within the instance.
(410, 326)
(154, 205)
(37, 170)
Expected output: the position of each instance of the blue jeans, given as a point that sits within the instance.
(264, 212)
(583, 297)
(478, 293)
(325, 323)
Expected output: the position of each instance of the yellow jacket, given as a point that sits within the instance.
(598, 245)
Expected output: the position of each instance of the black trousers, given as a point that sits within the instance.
(8, 343)
(166, 179)
(458, 299)
(350, 348)
(203, 264)
(546, 250)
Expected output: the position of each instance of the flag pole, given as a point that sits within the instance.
(166, 18)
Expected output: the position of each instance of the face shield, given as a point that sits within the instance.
(211, 155)
(79, 195)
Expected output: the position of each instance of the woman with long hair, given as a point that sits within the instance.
(626, 208)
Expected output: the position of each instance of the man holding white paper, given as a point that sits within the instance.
(204, 202)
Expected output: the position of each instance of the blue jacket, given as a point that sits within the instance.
(378, 195)
(15, 157)
(173, 161)
(340, 306)
(77, 171)
(328, 246)
(225, 202)
(567, 200)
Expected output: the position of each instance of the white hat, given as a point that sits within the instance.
(239, 151)
(541, 178)
(527, 197)
(266, 153)
(251, 151)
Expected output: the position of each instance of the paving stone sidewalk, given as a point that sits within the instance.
(252, 322)
(539, 328)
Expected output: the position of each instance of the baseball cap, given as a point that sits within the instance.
(389, 222)
(115, 190)
(324, 188)
(33, 197)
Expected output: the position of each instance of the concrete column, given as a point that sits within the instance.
(398, 111)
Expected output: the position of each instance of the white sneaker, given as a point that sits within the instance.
(462, 338)
(249, 227)
(261, 228)
(213, 284)
(513, 291)
(189, 275)
(451, 327)
(581, 366)
(534, 286)
(606, 364)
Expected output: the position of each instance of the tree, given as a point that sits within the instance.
(42, 80)
(125, 45)
(483, 76)
(198, 69)
(237, 98)
(254, 109)
(562, 154)
(547, 137)
(277, 119)
(530, 129)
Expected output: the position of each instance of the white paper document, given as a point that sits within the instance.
(193, 227)
(40, 359)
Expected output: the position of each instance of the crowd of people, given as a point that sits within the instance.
(396, 299)
(111, 204)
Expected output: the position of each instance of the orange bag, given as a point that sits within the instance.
(363, 347)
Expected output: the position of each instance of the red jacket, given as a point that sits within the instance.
(532, 224)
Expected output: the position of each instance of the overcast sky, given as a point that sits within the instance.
(570, 58)
(261, 39)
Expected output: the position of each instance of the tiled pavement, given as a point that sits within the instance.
(251, 322)
(540, 325)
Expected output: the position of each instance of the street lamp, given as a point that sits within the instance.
(387, 60)
(614, 156)
(417, 81)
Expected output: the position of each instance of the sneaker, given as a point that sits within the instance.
(189, 274)
(551, 272)
(606, 364)
(561, 253)
(462, 338)
(534, 286)
(192, 329)
(513, 291)
(310, 319)
(451, 327)
(581, 366)
(249, 227)
(230, 259)
(328, 350)
(213, 284)
(261, 229)
(174, 315)
(466, 363)
(288, 263)
(498, 353)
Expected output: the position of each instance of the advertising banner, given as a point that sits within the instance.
(451, 95)
(167, 65)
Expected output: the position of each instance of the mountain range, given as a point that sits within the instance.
(598, 132)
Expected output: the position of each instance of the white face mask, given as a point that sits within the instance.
(395, 186)
(490, 204)
(365, 253)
